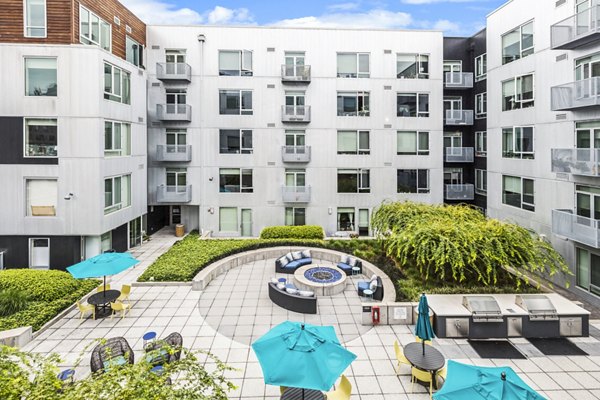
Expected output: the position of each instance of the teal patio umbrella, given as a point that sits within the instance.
(104, 265)
(424, 330)
(298, 355)
(470, 382)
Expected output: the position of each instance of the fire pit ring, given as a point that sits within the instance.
(324, 281)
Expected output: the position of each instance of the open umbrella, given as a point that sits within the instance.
(424, 331)
(470, 382)
(105, 264)
(298, 355)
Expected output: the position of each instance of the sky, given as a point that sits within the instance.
(454, 17)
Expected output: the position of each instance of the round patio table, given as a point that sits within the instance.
(102, 300)
(291, 393)
(432, 361)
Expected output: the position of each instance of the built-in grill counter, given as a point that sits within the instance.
(547, 315)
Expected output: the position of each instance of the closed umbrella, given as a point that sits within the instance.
(470, 382)
(424, 330)
(104, 265)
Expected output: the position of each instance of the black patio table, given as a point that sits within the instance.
(432, 361)
(102, 300)
(291, 393)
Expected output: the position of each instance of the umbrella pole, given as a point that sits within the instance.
(423, 342)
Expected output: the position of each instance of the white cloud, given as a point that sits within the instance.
(376, 18)
(447, 26)
(437, 1)
(158, 12)
(223, 15)
(343, 6)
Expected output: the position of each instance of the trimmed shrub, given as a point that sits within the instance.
(12, 300)
(293, 232)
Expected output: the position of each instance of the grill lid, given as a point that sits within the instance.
(535, 303)
(481, 305)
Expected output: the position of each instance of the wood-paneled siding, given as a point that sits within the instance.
(63, 22)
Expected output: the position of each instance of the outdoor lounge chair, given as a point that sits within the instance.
(377, 293)
(125, 291)
(347, 262)
(83, 308)
(118, 306)
(343, 391)
(115, 351)
(423, 376)
(173, 341)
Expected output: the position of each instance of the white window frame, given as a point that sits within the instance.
(83, 39)
(359, 150)
(140, 52)
(418, 61)
(242, 67)
(518, 90)
(123, 74)
(481, 181)
(419, 190)
(31, 240)
(419, 113)
(241, 150)
(242, 111)
(118, 152)
(360, 172)
(124, 203)
(26, 26)
(481, 105)
(523, 155)
(418, 151)
(481, 67)
(293, 209)
(28, 212)
(359, 73)
(481, 144)
(521, 49)
(26, 139)
(528, 206)
(365, 112)
(243, 189)
(27, 83)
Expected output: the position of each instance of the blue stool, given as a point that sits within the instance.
(148, 336)
(158, 370)
(66, 376)
(282, 280)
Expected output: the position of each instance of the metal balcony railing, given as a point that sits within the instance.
(459, 117)
(299, 154)
(459, 154)
(173, 194)
(583, 93)
(174, 112)
(576, 228)
(295, 113)
(460, 192)
(584, 162)
(577, 30)
(296, 194)
(174, 152)
(295, 73)
(173, 72)
(458, 80)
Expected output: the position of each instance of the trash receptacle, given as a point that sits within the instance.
(179, 230)
(416, 315)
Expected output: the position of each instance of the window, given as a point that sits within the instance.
(93, 29)
(176, 180)
(518, 192)
(588, 270)
(353, 104)
(353, 181)
(117, 139)
(40, 76)
(353, 65)
(134, 52)
(345, 219)
(295, 138)
(295, 178)
(412, 66)
(35, 18)
(517, 142)
(235, 63)
(235, 141)
(39, 253)
(363, 222)
(116, 84)
(235, 180)
(294, 64)
(176, 140)
(412, 181)
(480, 105)
(587, 201)
(228, 219)
(412, 142)
(42, 197)
(517, 43)
(174, 56)
(353, 142)
(106, 241)
(587, 135)
(480, 67)
(117, 193)
(481, 181)
(412, 104)
(295, 216)
(41, 138)
(517, 93)
(235, 102)
(481, 144)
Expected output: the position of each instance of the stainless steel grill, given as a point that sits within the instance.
(538, 306)
(483, 308)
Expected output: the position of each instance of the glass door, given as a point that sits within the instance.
(453, 143)
(294, 64)
(176, 180)
(175, 61)
(295, 178)
(588, 204)
(176, 100)
(246, 222)
(176, 141)
(585, 17)
(363, 222)
(135, 232)
(294, 103)
(585, 69)
(452, 72)
(39, 253)
(453, 108)
(453, 176)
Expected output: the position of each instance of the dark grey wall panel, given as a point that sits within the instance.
(119, 238)
(64, 251)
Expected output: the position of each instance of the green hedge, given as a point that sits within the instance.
(292, 232)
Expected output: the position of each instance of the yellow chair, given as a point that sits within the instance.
(419, 340)
(423, 376)
(400, 357)
(125, 291)
(118, 306)
(343, 392)
(282, 389)
(441, 374)
(101, 288)
(83, 308)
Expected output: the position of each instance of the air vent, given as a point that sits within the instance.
(560, 117)
(117, 21)
(387, 88)
(155, 47)
(270, 86)
(560, 3)
(562, 176)
(270, 49)
(562, 57)
(271, 202)
(271, 163)
(128, 28)
(387, 126)
(387, 52)
(271, 125)
(140, 119)
(141, 166)
(155, 84)
(387, 164)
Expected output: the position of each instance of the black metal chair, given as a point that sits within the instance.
(174, 342)
(110, 350)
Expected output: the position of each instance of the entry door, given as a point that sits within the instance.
(39, 253)
(294, 103)
(175, 215)
(135, 232)
(246, 222)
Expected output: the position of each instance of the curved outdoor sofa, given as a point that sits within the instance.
(290, 262)
(347, 262)
(292, 302)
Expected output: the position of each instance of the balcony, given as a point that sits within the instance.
(174, 72)
(460, 192)
(458, 80)
(459, 154)
(459, 117)
(173, 194)
(173, 153)
(295, 114)
(295, 154)
(296, 194)
(174, 112)
(578, 30)
(580, 94)
(295, 73)
(584, 162)
(576, 228)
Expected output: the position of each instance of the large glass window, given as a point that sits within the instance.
(346, 219)
(353, 142)
(412, 142)
(354, 181)
(481, 144)
(588, 270)
(35, 18)
(587, 201)
(40, 76)
(134, 52)
(295, 177)
(235, 63)
(412, 104)
(117, 139)
(353, 104)
(412, 66)
(353, 65)
(480, 67)
(93, 29)
(235, 180)
(42, 197)
(518, 93)
(518, 192)
(235, 102)
(295, 216)
(41, 137)
(517, 43)
(412, 181)
(480, 105)
(587, 135)
(517, 142)
(228, 219)
(117, 193)
(235, 141)
(117, 86)
(481, 181)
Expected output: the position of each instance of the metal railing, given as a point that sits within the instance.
(458, 80)
(173, 194)
(174, 152)
(459, 154)
(174, 112)
(174, 72)
(295, 113)
(577, 228)
(576, 161)
(460, 192)
(583, 93)
(577, 30)
(459, 117)
(295, 73)
(299, 154)
(296, 194)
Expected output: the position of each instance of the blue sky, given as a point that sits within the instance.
(454, 17)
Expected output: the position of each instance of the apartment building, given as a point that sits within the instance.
(73, 131)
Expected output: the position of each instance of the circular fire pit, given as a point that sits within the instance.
(324, 281)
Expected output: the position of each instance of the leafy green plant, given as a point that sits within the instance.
(292, 232)
(12, 300)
